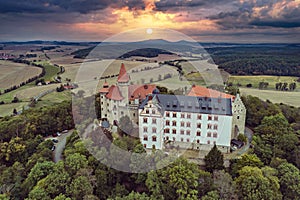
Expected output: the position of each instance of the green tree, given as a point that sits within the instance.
(62, 197)
(38, 194)
(180, 180)
(214, 160)
(289, 177)
(134, 196)
(254, 183)
(224, 185)
(246, 160)
(212, 195)
(80, 187)
(74, 162)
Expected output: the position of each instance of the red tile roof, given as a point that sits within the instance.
(199, 91)
(139, 91)
(123, 76)
(104, 90)
(114, 93)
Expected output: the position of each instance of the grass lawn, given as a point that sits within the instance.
(254, 80)
(7, 109)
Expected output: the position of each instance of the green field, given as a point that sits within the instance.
(53, 98)
(50, 70)
(255, 80)
(7, 109)
(290, 98)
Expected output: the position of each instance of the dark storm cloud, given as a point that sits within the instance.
(166, 5)
(247, 15)
(278, 24)
(49, 6)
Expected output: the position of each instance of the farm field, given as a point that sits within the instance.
(290, 98)
(53, 98)
(254, 80)
(15, 73)
(51, 70)
(26, 92)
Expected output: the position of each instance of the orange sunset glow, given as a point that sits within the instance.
(239, 21)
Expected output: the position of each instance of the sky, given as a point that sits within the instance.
(243, 21)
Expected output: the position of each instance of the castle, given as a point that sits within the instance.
(198, 120)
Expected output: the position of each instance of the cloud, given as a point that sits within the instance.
(261, 13)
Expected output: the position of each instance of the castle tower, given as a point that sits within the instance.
(238, 117)
(123, 83)
(103, 100)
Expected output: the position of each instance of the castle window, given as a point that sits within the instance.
(209, 126)
(154, 138)
(145, 145)
(153, 130)
(198, 133)
(188, 132)
(208, 142)
(199, 117)
(199, 125)
(153, 147)
(182, 115)
(215, 135)
(145, 138)
(174, 114)
(209, 117)
(147, 111)
(174, 123)
(181, 132)
(167, 123)
(182, 124)
(153, 111)
(198, 141)
(153, 121)
(168, 114)
(167, 130)
(188, 124)
(174, 131)
(238, 117)
(188, 116)
(215, 127)
(216, 118)
(145, 120)
(145, 129)
(181, 139)
(187, 140)
(209, 134)
(167, 138)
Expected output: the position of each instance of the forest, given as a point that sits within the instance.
(269, 171)
(278, 60)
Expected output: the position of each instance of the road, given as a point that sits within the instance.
(60, 146)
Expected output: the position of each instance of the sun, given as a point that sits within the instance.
(149, 31)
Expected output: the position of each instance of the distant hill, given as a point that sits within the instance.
(147, 52)
(236, 59)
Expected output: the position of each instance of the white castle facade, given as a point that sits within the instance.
(198, 120)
